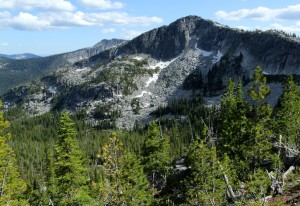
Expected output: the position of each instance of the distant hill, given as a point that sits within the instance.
(15, 71)
(20, 56)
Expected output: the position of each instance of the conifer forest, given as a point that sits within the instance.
(240, 151)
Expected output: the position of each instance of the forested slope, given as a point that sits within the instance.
(193, 154)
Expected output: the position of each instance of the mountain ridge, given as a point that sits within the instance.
(20, 56)
(14, 72)
(191, 56)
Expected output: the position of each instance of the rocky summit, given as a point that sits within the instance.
(124, 81)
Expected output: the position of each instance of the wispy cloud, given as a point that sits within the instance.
(37, 15)
(64, 20)
(101, 4)
(294, 28)
(261, 13)
(291, 28)
(55, 5)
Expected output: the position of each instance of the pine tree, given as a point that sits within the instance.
(12, 186)
(111, 188)
(259, 145)
(123, 182)
(156, 155)
(51, 181)
(205, 184)
(70, 166)
(287, 114)
(258, 92)
(234, 128)
(137, 185)
(233, 120)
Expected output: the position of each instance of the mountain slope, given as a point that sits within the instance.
(13, 72)
(274, 51)
(190, 56)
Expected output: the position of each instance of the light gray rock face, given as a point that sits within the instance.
(84, 54)
(274, 52)
(138, 76)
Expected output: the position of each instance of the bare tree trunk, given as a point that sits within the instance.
(50, 202)
(229, 188)
(284, 176)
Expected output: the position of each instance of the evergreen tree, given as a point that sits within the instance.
(12, 187)
(204, 185)
(111, 190)
(123, 181)
(37, 193)
(259, 151)
(51, 181)
(287, 114)
(234, 128)
(137, 186)
(258, 91)
(70, 166)
(156, 155)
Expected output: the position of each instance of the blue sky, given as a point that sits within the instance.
(47, 27)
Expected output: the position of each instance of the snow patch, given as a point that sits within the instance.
(81, 69)
(138, 58)
(161, 65)
(217, 57)
(145, 105)
(52, 90)
(154, 78)
(266, 73)
(202, 52)
(142, 94)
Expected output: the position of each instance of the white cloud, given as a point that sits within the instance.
(102, 4)
(26, 21)
(54, 5)
(64, 20)
(262, 13)
(61, 14)
(108, 30)
(130, 34)
(292, 28)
